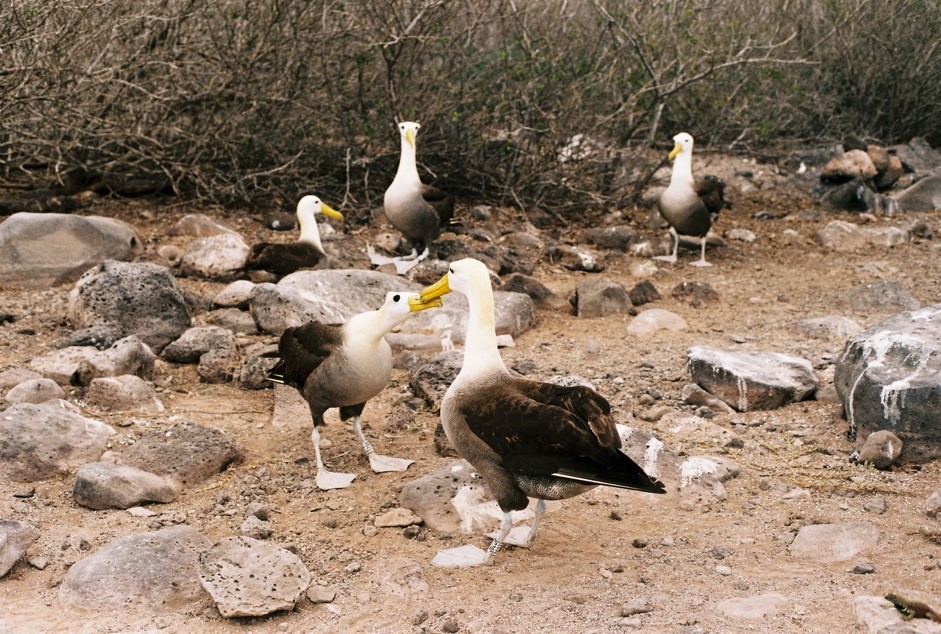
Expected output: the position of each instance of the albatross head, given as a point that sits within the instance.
(683, 142)
(308, 206)
(467, 276)
(408, 130)
(401, 304)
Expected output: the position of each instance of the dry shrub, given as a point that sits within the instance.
(535, 103)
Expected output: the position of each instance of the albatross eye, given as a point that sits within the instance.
(396, 298)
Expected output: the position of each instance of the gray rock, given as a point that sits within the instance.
(918, 156)
(219, 365)
(157, 570)
(40, 250)
(430, 496)
(128, 356)
(750, 381)
(741, 235)
(234, 320)
(702, 478)
(131, 298)
(99, 337)
(875, 615)
(637, 605)
(125, 393)
(254, 373)
(925, 195)
(42, 441)
(14, 376)
(825, 543)
(883, 296)
(186, 452)
(199, 226)
(235, 295)
(255, 528)
(889, 377)
(61, 365)
(695, 395)
(195, 342)
(541, 295)
(104, 485)
(598, 297)
(320, 594)
(15, 538)
(432, 379)
(696, 293)
(933, 504)
(844, 236)
(397, 517)
(761, 606)
(643, 292)
(573, 259)
(881, 449)
(249, 577)
(877, 505)
(35, 391)
(218, 257)
(848, 166)
(829, 327)
(405, 580)
(654, 319)
(618, 238)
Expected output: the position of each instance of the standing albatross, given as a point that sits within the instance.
(689, 206)
(283, 258)
(344, 366)
(420, 212)
(526, 438)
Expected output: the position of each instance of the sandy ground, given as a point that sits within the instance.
(598, 551)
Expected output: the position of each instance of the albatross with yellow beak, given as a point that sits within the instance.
(689, 206)
(344, 366)
(283, 258)
(526, 438)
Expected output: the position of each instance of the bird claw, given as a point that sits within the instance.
(383, 464)
(520, 536)
(327, 480)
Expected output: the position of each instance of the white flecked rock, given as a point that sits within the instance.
(35, 391)
(834, 542)
(125, 393)
(655, 319)
(760, 606)
(217, 257)
(105, 485)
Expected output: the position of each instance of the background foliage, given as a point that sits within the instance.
(548, 103)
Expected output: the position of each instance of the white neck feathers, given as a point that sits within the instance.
(682, 169)
(310, 233)
(408, 170)
(481, 355)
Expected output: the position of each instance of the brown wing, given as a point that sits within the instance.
(304, 348)
(545, 429)
(282, 258)
(442, 202)
(711, 190)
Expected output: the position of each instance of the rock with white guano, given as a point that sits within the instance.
(15, 538)
(157, 570)
(217, 257)
(104, 485)
(42, 250)
(35, 391)
(250, 577)
(136, 298)
(826, 543)
(124, 393)
(750, 381)
(702, 480)
(42, 441)
(889, 377)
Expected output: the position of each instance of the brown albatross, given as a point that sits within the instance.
(344, 366)
(420, 212)
(283, 258)
(689, 206)
(526, 438)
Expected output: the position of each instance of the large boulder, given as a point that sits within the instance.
(925, 195)
(140, 299)
(889, 377)
(40, 250)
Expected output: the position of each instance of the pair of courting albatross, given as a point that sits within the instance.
(525, 438)
(419, 211)
(689, 206)
(344, 366)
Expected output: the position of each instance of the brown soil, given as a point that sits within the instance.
(599, 550)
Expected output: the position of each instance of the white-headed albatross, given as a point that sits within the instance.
(420, 212)
(689, 206)
(526, 438)
(283, 258)
(344, 366)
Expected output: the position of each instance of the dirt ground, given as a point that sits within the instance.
(599, 550)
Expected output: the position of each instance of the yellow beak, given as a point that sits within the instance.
(436, 290)
(410, 137)
(415, 303)
(327, 210)
(676, 150)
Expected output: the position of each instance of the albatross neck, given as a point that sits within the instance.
(682, 169)
(309, 231)
(480, 348)
(408, 170)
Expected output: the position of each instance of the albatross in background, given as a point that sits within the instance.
(283, 258)
(689, 206)
(344, 366)
(526, 438)
(420, 212)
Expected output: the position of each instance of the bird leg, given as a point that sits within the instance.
(676, 245)
(497, 544)
(379, 463)
(538, 512)
(702, 258)
(328, 479)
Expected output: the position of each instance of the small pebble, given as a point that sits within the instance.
(863, 568)
(354, 567)
(635, 606)
(450, 626)
(723, 570)
(639, 543)
(369, 530)
(39, 563)
(411, 532)
(420, 617)
(616, 516)
(321, 594)
(25, 493)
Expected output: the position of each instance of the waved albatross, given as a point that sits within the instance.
(689, 206)
(526, 438)
(420, 212)
(344, 366)
(283, 258)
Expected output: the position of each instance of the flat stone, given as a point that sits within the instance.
(760, 606)
(187, 453)
(843, 236)
(828, 327)
(15, 538)
(397, 517)
(235, 295)
(599, 297)
(35, 391)
(249, 577)
(217, 257)
(883, 296)
(125, 393)
(104, 485)
(826, 543)
(654, 319)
